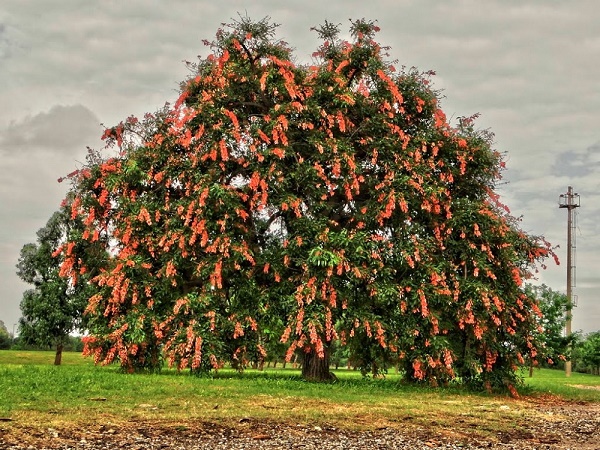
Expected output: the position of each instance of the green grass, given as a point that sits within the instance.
(18, 357)
(76, 394)
(577, 387)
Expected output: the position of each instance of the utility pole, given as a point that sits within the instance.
(570, 201)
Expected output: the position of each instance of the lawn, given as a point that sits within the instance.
(35, 393)
(578, 387)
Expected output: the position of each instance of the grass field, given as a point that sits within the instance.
(33, 393)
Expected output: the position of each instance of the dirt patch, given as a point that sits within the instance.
(538, 424)
(583, 386)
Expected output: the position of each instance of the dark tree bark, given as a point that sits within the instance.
(531, 369)
(315, 368)
(58, 356)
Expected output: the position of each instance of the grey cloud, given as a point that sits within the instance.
(62, 129)
(578, 164)
(6, 44)
(528, 67)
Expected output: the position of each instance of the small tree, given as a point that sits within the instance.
(588, 353)
(335, 198)
(5, 337)
(53, 308)
(554, 345)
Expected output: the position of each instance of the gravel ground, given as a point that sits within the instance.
(566, 426)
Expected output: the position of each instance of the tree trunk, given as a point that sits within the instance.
(58, 356)
(315, 368)
(374, 370)
(531, 369)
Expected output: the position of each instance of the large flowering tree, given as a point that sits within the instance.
(306, 205)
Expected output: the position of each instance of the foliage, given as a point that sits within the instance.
(5, 337)
(587, 354)
(324, 203)
(71, 344)
(53, 308)
(554, 345)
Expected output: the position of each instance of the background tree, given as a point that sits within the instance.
(554, 345)
(53, 308)
(5, 337)
(587, 354)
(325, 203)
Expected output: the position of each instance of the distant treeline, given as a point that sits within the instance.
(73, 344)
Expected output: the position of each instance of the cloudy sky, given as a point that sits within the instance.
(530, 67)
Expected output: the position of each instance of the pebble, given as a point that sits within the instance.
(579, 429)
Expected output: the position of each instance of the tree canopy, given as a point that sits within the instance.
(53, 308)
(5, 337)
(277, 202)
(554, 346)
(587, 353)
